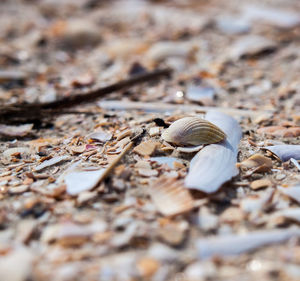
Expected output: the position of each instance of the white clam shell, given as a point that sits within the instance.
(215, 164)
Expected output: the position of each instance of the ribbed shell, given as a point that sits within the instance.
(193, 131)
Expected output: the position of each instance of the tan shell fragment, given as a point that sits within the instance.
(170, 196)
(193, 131)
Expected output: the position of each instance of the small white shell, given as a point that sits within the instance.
(193, 131)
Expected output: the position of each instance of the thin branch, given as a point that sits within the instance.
(25, 112)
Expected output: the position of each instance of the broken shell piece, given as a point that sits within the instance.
(258, 184)
(296, 164)
(79, 181)
(170, 197)
(51, 162)
(100, 136)
(285, 152)
(292, 191)
(193, 131)
(257, 160)
(191, 149)
(146, 148)
(222, 245)
(215, 164)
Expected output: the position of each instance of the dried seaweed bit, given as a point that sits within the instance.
(170, 197)
(15, 131)
(51, 162)
(79, 181)
(292, 192)
(215, 164)
(285, 152)
(236, 244)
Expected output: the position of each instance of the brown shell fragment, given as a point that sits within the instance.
(193, 131)
(146, 148)
(257, 161)
(170, 196)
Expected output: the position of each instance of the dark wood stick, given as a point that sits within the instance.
(22, 113)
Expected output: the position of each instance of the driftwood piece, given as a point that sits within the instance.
(24, 113)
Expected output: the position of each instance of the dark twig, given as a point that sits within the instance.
(22, 113)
